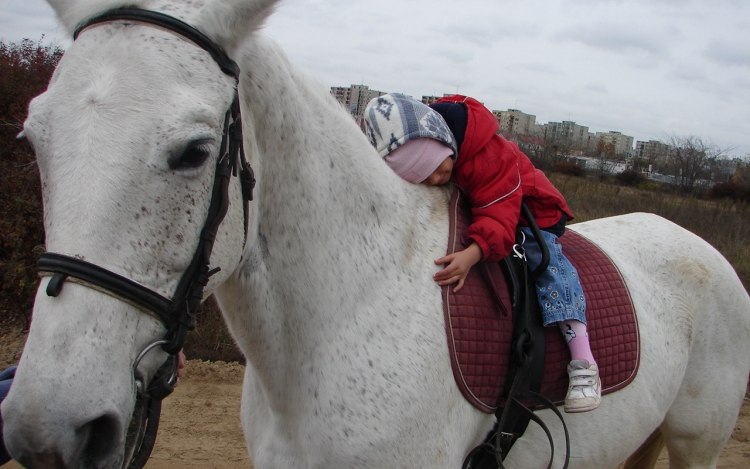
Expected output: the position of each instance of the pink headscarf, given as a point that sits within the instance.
(416, 159)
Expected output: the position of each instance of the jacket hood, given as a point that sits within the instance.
(481, 124)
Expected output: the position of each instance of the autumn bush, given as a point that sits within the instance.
(569, 168)
(25, 70)
(729, 190)
(630, 178)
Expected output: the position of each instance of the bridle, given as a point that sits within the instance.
(176, 313)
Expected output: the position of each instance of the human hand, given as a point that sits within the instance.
(458, 266)
(180, 367)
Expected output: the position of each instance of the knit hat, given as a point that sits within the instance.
(416, 159)
(394, 119)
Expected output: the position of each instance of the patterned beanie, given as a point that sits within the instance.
(394, 119)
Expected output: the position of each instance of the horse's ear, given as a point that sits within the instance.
(72, 12)
(228, 22)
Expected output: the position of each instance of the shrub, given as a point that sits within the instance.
(25, 70)
(211, 339)
(630, 178)
(571, 169)
(729, 190)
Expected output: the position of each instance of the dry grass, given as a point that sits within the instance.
(724, 224)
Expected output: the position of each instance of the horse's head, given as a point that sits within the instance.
(128, 139)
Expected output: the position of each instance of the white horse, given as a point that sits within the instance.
(330, 296)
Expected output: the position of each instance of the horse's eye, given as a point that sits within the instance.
(194, 155)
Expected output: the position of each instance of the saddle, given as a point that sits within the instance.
(479, 327)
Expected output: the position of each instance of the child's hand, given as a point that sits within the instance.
(459, 264)
(180, 367)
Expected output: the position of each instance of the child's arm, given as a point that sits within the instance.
(459, 264)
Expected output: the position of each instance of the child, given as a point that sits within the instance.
(413, 139)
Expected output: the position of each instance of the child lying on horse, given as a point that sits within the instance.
(454, 140)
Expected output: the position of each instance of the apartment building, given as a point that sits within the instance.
(623, 143)
(342, 95)
(514, 121)
(355, 98)
(653, 150)
(577, 135)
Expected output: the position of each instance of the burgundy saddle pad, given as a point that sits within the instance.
(478, 322)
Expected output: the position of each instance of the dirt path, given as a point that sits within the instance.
(200, 425)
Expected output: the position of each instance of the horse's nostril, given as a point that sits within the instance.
(51, 460)
(102, 435)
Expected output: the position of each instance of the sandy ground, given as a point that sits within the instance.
(200, 425)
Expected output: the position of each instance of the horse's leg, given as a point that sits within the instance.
(645, 457)
(703, 415)
(696, 430)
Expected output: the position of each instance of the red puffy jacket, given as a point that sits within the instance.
(497, 176)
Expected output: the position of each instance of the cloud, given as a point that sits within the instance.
(729, 53)
(542, 68)
(596, 87)
(31, 20)
(613, 38)
(691, 75)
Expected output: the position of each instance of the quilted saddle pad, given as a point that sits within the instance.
(478, 322)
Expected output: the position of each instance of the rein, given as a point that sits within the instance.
(176, 313)
(526, 368)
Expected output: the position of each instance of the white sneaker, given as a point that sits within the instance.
(585, 388)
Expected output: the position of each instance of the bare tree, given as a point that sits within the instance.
(546, 150)
(690, 157)
(605, 159)
(742, 171)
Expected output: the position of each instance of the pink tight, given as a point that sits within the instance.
(577, 337)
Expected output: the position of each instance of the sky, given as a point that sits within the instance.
(647, 68)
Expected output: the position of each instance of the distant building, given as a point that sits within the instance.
(514, 121)
(342, 95)
(623, 144)
(577, 135)
(653, 150)
(355, 98)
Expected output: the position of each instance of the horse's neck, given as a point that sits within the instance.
(319, 178)
(335, 228)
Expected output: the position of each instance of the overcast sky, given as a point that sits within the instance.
(646, 68)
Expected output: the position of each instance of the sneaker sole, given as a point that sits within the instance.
(580, 409)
